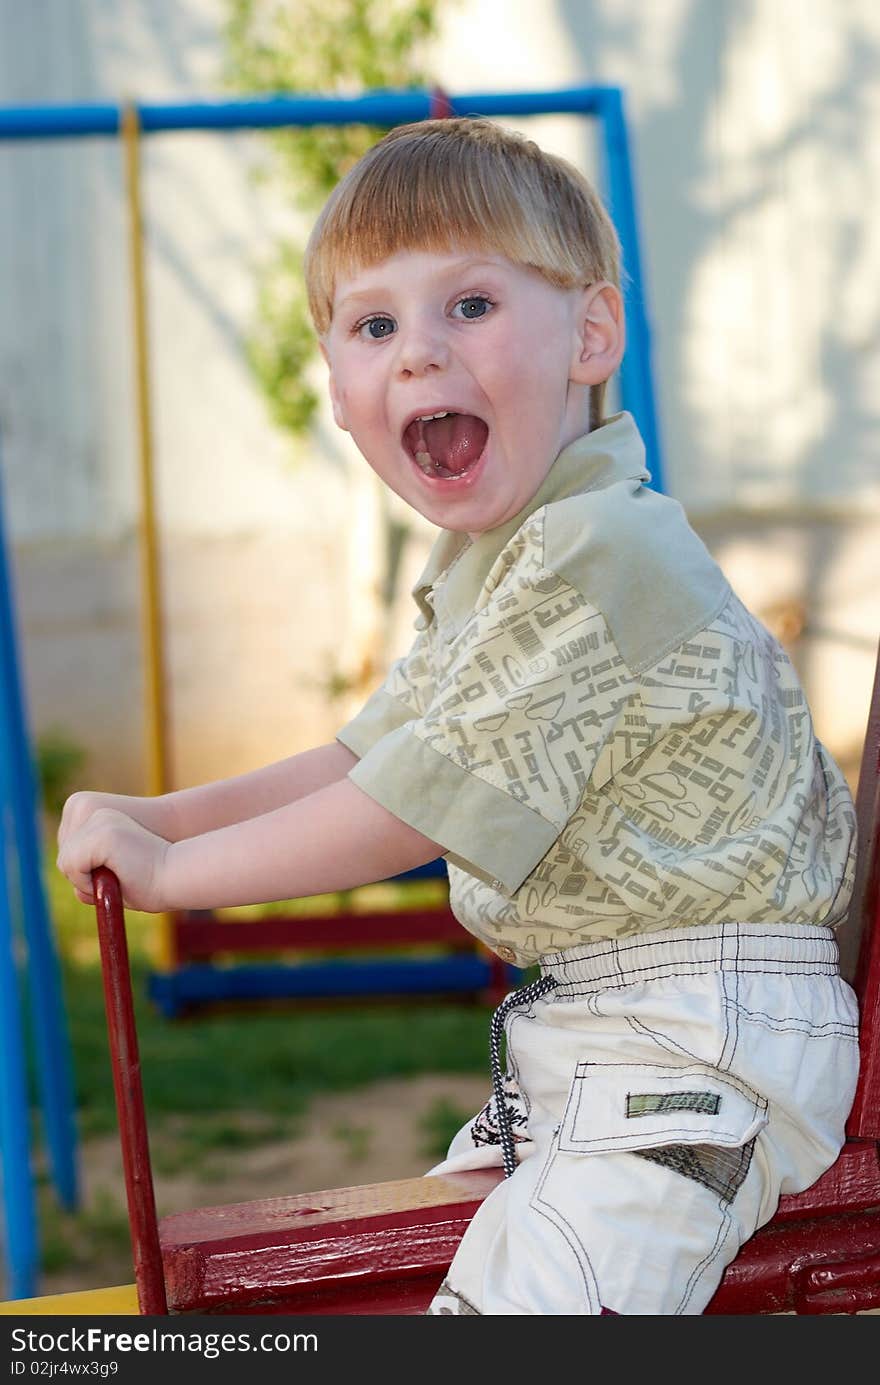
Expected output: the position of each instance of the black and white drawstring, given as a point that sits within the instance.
(524, 996)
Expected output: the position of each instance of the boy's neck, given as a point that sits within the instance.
(571, 436)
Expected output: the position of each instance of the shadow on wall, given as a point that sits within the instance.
(752, 176)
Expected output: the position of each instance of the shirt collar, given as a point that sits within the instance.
(615, 452)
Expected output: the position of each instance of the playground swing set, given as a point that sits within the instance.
(383, 1249)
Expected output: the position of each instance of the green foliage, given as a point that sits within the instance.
(328, 47)
(59, 760)
(282, 344)
(325, 47)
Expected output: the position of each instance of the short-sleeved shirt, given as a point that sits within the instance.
(601, 737)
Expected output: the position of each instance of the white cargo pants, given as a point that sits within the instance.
(661, 1096)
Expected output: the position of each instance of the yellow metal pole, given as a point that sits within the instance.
(151, 603)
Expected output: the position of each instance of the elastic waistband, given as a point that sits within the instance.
(795, 949)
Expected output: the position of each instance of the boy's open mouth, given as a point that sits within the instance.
(445, 444)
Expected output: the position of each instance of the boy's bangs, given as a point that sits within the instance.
(415, 209)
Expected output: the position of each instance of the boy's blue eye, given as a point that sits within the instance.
(376, 327)
(473, 307)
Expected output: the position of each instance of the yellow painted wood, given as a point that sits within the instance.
(117, 1301)
(151, 602)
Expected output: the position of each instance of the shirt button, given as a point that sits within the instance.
(506, 954)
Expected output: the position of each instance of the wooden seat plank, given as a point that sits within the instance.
(352, 1247)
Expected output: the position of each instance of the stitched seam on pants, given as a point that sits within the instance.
(790, 1024)
(660, 971)
(731, 1020)
(736, 982)
(511, 1065)
(663, 1041)
(568, 1233)
(548, 1210)
(619, 965)
(724, 1224)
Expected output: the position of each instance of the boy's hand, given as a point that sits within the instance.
(79, 807)
(149, 812)
(136, 855)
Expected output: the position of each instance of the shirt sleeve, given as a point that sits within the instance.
(402, 697)
(497, 759)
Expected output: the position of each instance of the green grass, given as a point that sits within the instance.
(204, 1143)
(355, 1139)
(83, 1240)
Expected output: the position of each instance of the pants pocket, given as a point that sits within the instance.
(637, 1238)
(693, 1120)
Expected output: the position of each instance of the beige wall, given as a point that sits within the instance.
(758, 161)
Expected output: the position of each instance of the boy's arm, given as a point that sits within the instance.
(335, 839)
(205, 807)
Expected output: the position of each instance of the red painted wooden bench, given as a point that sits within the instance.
(384, 1248)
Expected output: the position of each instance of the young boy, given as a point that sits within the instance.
(614, 756)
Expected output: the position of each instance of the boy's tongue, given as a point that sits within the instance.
(454, 442)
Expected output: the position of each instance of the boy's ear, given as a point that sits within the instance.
(600, 336)
(338, 415)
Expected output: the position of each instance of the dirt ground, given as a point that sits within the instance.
(369, 1136)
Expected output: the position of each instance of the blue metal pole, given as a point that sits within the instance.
(636, 376)
(377, 108)
(44, 975)
(20, 1248)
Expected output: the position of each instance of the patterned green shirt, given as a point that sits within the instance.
(600, 735)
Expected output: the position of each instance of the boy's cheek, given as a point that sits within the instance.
(337, 405)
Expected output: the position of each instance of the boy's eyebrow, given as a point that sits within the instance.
(459, 266)
(358, 294)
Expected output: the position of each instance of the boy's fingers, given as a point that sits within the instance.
(80, 879)
(83, 897)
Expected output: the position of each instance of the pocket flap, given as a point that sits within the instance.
(633, 1106)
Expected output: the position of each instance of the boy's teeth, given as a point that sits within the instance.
(424, 459)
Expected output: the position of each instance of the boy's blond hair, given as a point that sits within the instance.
(438, 184)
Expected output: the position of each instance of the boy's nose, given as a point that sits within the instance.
(420, 352)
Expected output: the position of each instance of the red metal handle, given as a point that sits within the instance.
(130, 1112)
